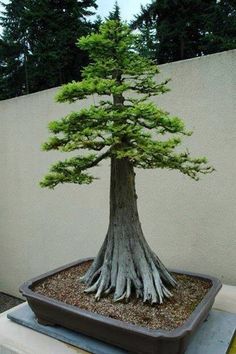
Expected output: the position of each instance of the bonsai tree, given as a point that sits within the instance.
(132, 132)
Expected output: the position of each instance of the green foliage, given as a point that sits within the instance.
(115, 14)
(125, 125)
(69, 171)
(176, 30)
(37, 49)
(79, 90)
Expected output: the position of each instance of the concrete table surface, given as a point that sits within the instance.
(16, 339)
(226, 299)
(213, 337)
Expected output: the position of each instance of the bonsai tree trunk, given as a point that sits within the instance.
(125, 261)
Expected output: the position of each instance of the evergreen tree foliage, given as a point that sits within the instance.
(37, 48)
(13, 53)
(184, 29)
(126, 127)
(221, 33)
(12, 73)
(115, 14)
(116, 70)
(146, 42)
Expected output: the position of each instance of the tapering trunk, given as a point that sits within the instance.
(125, 263)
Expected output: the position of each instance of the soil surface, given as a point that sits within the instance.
(66, 287)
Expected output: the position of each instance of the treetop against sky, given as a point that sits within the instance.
(128, 8)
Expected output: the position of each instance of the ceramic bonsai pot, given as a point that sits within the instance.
(130, 337)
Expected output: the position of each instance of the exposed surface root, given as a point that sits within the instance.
(126, 264)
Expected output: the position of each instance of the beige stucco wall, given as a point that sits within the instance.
(191, 225)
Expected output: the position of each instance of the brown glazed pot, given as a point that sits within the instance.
(127, 336)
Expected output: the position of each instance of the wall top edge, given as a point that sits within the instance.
(174, 63)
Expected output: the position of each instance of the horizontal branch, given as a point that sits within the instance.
(72, 170)
(82, 89)
(182, 162)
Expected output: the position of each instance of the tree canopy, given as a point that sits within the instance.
(175, 30)
(37, 47)
(124, 124)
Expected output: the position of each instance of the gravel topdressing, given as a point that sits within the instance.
(65, 286)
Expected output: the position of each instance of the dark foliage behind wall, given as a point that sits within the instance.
(38, 45)
(181, 29)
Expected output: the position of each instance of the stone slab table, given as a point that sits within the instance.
(21, 334)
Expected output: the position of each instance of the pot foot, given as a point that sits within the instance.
(44, 322)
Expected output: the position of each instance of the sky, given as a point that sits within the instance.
(128, 7)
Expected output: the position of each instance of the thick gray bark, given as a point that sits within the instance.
(125, 263)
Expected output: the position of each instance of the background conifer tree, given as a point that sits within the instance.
(115, 13)
(37, 48)
(132, 132)
(176, 30)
